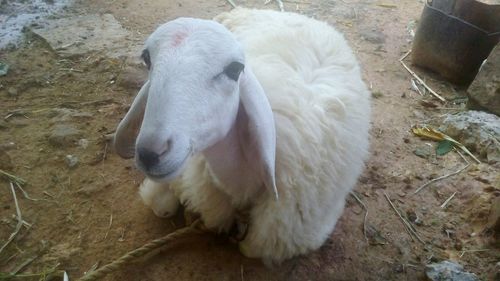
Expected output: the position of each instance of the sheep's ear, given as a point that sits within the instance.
(256, 129)
(126, 133)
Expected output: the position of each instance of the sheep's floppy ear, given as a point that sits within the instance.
(256, 129)
(126, 133)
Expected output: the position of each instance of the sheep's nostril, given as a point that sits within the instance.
(148, 158)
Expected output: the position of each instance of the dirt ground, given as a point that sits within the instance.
(91, 213)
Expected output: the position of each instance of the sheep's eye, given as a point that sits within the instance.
(147, 59)
(233, 70)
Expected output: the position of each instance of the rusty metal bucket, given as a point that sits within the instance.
(454, 37)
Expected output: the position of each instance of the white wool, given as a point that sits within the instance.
(322, 113)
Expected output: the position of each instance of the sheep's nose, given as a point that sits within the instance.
(148, 158)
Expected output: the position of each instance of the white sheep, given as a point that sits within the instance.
(258, 112)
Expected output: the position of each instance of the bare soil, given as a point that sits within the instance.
(91, 213)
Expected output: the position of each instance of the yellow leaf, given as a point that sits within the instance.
(433, 134)
(430, 133)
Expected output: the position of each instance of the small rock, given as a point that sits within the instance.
(373, 36)
(59, 115)
(374, 236)
(413, 217)
(71, 160)
(83, 143)
(64, 135)
(12, 92)
(418, 114)
(4, 69)
(448, 271)
(424, 151)
(7, 146)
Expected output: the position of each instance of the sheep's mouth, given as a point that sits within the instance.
(166, 172)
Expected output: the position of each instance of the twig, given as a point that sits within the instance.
(105, 153)
(13, 178)
(71, 70)
(461, 155)
(406, 223)
(441, 178)
(241, 273)
(23, 265)
(19, 219)
(401, 60)
(109, 226)
(416, 88)
(448, 200)
(232, 3)
(366, 213)
(472, 251)
(26, 195)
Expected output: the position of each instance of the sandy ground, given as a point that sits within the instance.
(91, 213)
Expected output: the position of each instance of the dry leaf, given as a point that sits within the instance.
(433, 134)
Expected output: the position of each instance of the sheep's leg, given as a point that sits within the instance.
(213, 205)
(159, 197)
(281, 229)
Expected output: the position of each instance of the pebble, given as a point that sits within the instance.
(72, 161)
(64, 135)
(83, 143)
(373, 36)
(12, 92)
(448, 270)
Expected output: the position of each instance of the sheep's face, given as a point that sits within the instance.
(192, 96)
(198, 90)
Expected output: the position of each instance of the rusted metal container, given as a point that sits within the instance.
(454, 37)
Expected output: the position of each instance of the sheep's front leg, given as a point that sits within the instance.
(159, 197)
(213, 205)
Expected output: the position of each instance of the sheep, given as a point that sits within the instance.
(256, 114)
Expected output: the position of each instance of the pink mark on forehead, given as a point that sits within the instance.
(178, 38)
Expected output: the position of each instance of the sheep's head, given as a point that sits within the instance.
(198, 85)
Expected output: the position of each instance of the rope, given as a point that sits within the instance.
(194, 228)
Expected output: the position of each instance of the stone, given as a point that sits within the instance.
(83, 143)
(424, 151)
(66, 114)
(448, 271)
(4, 69)
(478, 131)
(82, 34)
(484, 92)
(64, 135)
(373, 36)
(12, 92)
(71, 161)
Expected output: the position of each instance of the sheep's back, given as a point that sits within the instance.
(314, 85)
